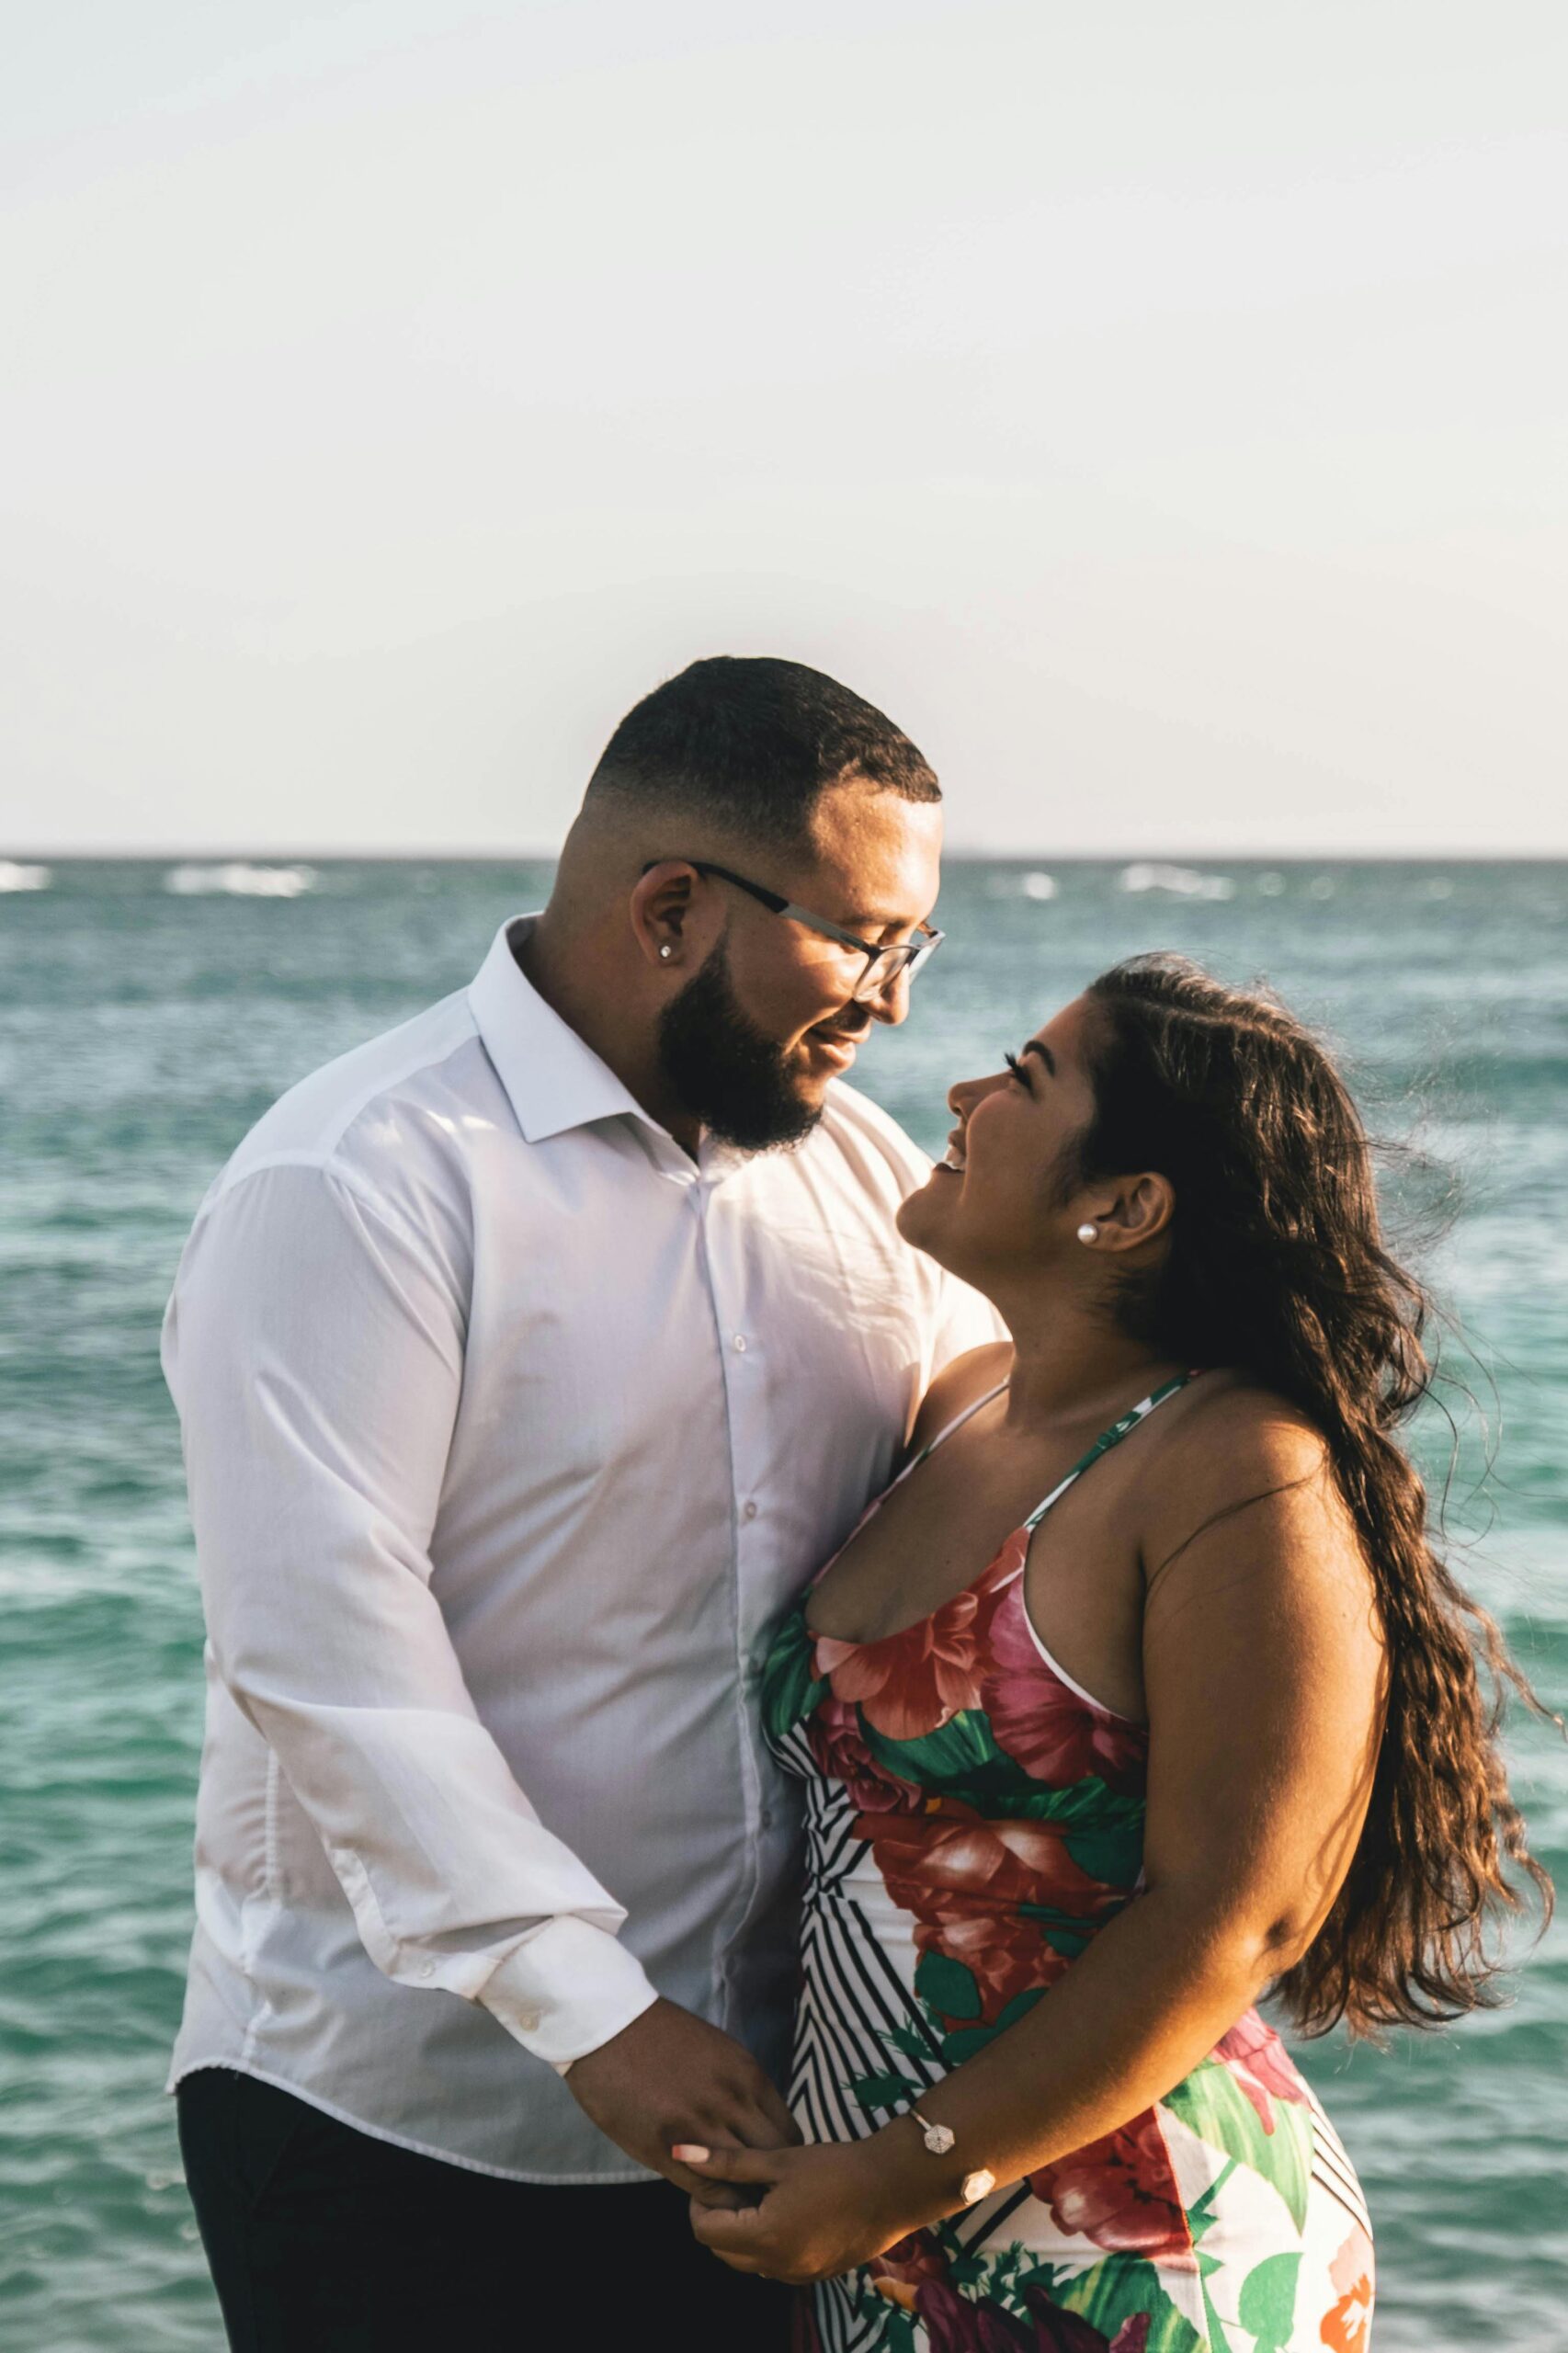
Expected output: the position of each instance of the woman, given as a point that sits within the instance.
(1223, 1675)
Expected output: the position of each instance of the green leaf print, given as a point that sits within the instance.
(946, 1986)
(948, 2239)
(946, 1758)
(1085, 1809)
(1214, 2105)
(883, 2091)
(907, 2039)
(962, 1760)
(1268, 2302)
(1019, 2007)
(1064, 1932)
(790, 1689)
(1104, 1828)
(1039, 2275)
(1218, 2340)
(898, 2328)
(1117, 2290)
(1110, 1851)
(1203, 2213)
(966, 2041)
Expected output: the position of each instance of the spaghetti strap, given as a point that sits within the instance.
(874, 1506)
(1102, 1444)
(942, 1435)
(1107, 1438)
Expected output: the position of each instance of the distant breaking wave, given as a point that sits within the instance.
(1180, 881)
(241, 880)
(23, 877)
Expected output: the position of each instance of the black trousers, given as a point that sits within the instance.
(323, 2240)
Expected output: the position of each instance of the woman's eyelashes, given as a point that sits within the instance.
(1019, 1072)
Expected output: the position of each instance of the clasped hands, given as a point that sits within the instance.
(669, 2084)
(821, 2210)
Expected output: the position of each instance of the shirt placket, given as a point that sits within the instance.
(742, 1361)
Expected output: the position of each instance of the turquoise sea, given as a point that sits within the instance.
(149, 1011)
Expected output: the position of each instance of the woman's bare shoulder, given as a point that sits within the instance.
(1243, 1448)
(1234, 1424)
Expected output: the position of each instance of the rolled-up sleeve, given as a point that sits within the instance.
(314, 1350)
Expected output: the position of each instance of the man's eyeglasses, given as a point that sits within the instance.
(883, 966)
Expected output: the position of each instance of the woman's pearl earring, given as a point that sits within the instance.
(665, 951)
(1088, 1234)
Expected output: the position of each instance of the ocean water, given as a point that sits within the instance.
(148, 1012)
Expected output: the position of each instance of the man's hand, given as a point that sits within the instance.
(669, 2077)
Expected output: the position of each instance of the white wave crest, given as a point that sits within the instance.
(1179, 882)
(23, 877)
(241, 880)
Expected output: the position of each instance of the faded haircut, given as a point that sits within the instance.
(752, 743)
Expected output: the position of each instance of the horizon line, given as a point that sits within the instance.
(958, 854)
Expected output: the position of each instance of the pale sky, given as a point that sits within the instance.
(1159, 410)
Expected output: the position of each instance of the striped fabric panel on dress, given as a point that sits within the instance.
(1332, 2169)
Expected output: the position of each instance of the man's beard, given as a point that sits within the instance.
(725, 1070)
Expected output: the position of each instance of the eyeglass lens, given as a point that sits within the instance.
(889, 965)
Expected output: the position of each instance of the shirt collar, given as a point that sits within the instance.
(553, 1080)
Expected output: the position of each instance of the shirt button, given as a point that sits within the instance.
(529, 2021)
(767, 1817)
(750, 1512)
(740, 1343)
(427, 1969)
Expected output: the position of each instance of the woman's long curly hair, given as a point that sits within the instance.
(1277, 1266)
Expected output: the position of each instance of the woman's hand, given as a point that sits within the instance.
(823, 2210)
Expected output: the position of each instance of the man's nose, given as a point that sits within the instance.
(889, 1003)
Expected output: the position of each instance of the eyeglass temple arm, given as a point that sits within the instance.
(912, 950)
(773, 900)
(769, 899)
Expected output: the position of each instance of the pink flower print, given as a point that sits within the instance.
(1261, 2066)
(1348, 2328)
(1007, 1955)
(1043, 1724)
(833, 1734)
(906, 2266)
(911, 1682)
(950, 1864)
(1063, 2332)
(1120, 2191)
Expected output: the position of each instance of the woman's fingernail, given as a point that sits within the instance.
(689, 2153)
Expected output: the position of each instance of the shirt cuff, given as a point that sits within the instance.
(568, 1990)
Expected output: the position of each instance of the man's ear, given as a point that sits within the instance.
(659, 908)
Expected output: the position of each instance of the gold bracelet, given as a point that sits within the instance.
(939, 2139)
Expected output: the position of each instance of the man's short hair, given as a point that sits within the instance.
(752, 743)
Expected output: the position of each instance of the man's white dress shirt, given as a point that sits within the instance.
(511, 1432)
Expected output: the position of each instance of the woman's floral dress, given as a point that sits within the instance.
(973, 1818)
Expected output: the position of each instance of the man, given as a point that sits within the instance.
(529, 1359)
